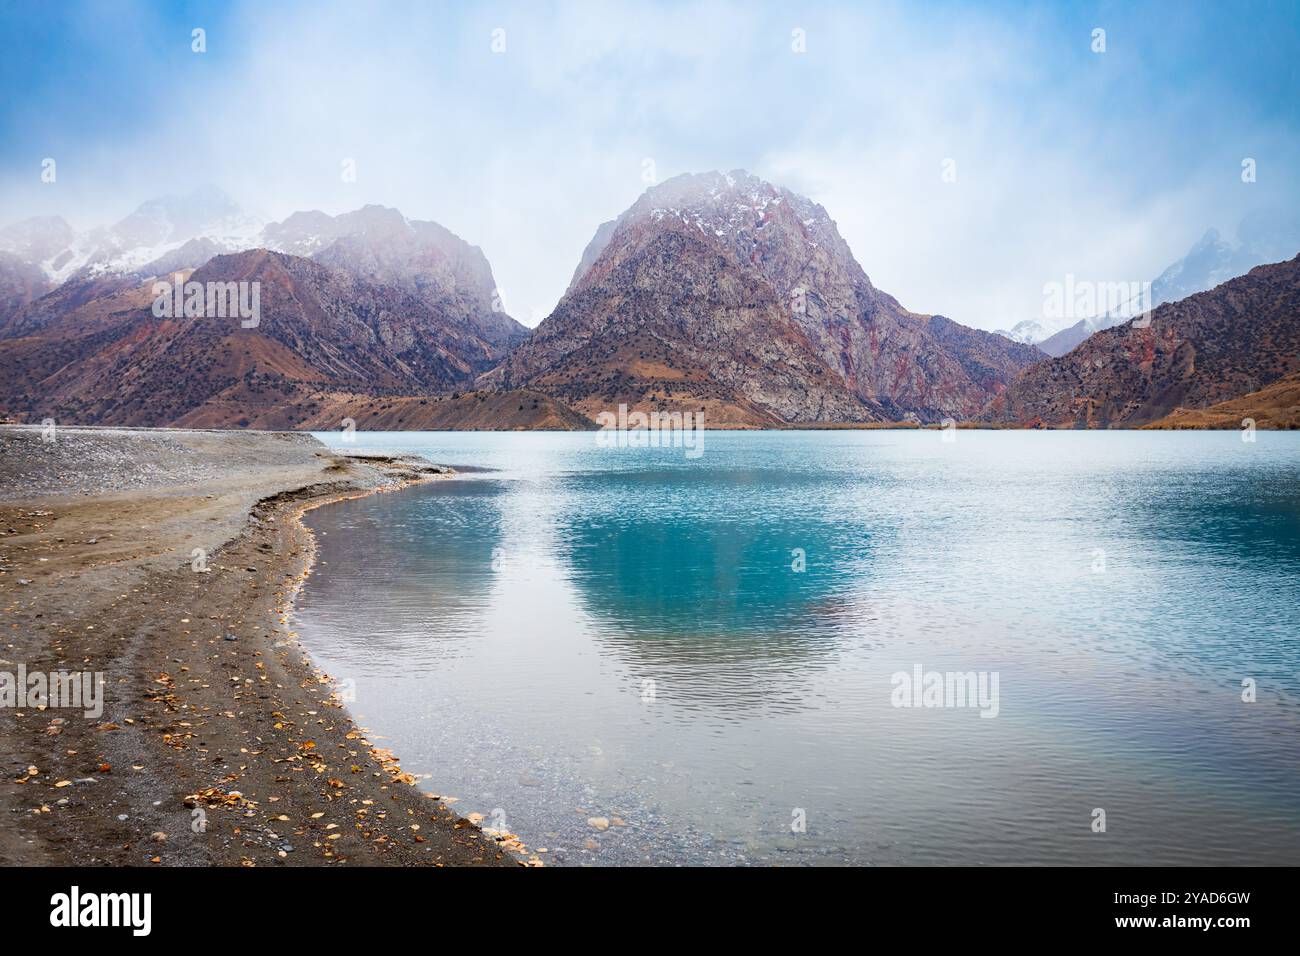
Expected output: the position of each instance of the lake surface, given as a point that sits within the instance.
(710, 649)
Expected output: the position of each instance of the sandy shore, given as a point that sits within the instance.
(166, 560)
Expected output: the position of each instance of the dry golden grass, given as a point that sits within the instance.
(1275, 406)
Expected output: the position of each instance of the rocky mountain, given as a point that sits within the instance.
(592, 252)
(155, 228)
(986, 358)
(1262, 237)
(37, 240)
(367, 303)
(172, 233)
(107, 358)
(20, 284)
(49, 308)
(1065, 341)
(168, 221)
(24, 247)
(720, 291)
(1027, 332)
(382, 246)
(188, 255)
(1208, 348)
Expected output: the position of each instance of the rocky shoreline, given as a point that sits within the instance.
(163, 564)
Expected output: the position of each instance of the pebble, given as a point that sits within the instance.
(600, 823)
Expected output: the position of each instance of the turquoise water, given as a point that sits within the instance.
(583, 632)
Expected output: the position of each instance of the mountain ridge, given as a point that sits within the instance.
(110, 360)
(173, 233)
(1206, 349)
(1262, 237)
(714, 292)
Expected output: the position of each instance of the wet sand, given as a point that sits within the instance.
(219, 743)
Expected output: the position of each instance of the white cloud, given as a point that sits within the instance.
(1065, 162)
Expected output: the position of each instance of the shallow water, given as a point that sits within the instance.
(603, 632)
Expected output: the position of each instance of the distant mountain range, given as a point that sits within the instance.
(368, 302)
(173, 233)
(717, 292)
(1203, 350)
(1262, 237)
(321, 330)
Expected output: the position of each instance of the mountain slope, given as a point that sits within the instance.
(107, 359)
(1209, 262)
(37, 240)
(155, 228)
(1273, 406)
(173, 233)
(1026, 332)
(21, 283)
(673, 323)
(381, 246)
(986, 357)
(469, 411)
(723, 290)
(1262, 237)
(1065, 341)
(1205, 349)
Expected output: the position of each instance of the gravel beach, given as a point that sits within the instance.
(166, 560)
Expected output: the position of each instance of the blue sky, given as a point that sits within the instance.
(1104, 165)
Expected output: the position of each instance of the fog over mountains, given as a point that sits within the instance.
(183, 232)
(1262, 237)
(715, 292)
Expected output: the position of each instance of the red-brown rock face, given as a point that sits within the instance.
(724, 288)
(1205, 349)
